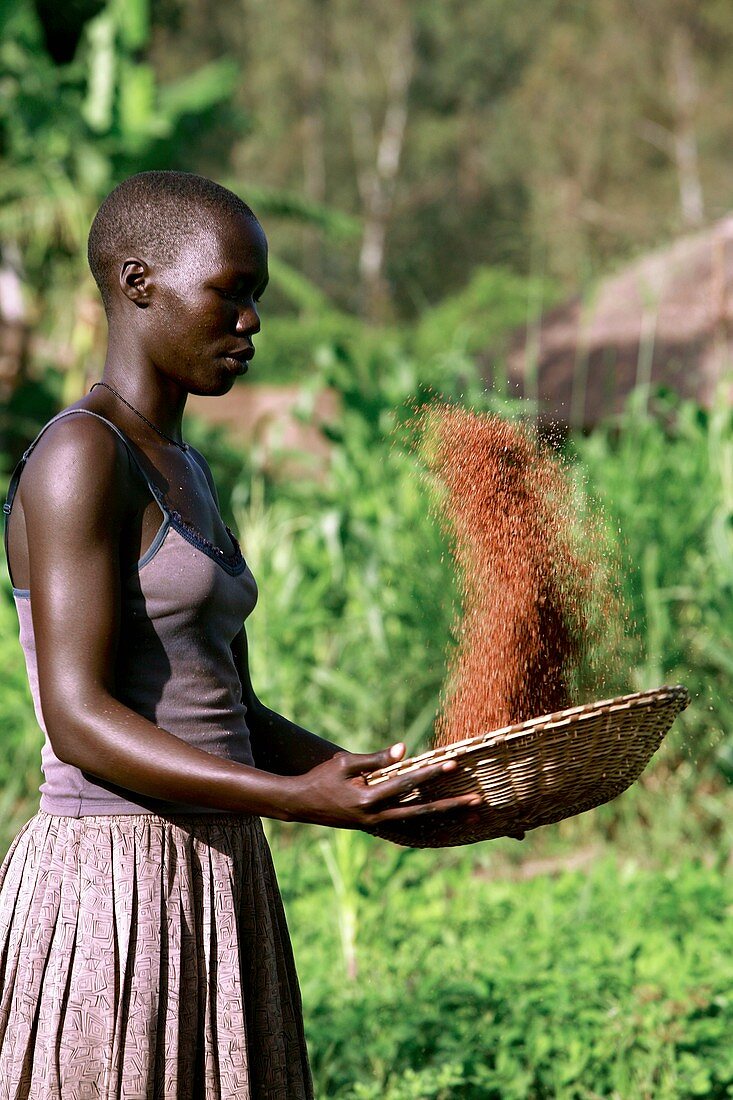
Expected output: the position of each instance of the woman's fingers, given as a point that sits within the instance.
(402, 784)
(420, 809)
(359, 763)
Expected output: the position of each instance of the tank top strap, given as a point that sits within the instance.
(15, 477)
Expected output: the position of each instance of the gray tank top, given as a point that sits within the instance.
(183, 604)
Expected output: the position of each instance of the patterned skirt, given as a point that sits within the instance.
(142, 958)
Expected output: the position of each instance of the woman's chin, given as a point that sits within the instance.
(216, 386)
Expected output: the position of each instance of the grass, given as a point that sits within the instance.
(475, 982)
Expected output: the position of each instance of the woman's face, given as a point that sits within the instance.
(202, 310)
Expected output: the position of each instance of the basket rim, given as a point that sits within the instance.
(516, 731)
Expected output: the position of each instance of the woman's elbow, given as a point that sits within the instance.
(70, 726)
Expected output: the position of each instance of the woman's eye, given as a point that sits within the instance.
(238, 295)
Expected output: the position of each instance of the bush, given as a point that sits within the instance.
(664, 481)
(615, 984)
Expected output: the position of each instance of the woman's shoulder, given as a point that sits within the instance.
(78, 455)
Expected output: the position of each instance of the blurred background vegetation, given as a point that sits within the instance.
(433, 179)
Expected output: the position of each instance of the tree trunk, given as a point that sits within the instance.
(378, 158)
(683, 86)
(314, 132)
(13, 324)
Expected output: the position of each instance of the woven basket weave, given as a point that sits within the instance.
(541, 771)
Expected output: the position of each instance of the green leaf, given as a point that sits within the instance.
(98, 105)
(294, 206)
(133, 19)
(200, 90)
(138, 117)
(300, 291)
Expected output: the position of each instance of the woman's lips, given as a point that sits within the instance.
(240, 359)
(242, 353)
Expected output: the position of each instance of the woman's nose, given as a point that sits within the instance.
(249, 320)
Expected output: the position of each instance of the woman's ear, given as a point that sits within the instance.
(135, 282)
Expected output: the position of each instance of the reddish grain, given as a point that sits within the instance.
(527, 576)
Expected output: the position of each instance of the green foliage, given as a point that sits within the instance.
(70, 131)
(665, 483)
(613, 984)
(439, 350)
(30, 406)
(22, 739)
(352, 586)
(506, 160)
(291, 348)
(292, 206)
(493, 304)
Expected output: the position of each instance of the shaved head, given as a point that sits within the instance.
(151, 216)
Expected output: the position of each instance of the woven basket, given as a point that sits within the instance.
(541, 771)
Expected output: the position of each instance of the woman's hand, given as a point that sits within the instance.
(336, 793)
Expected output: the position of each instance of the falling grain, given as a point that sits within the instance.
(529, 579)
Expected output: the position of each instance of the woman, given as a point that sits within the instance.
(144, 951)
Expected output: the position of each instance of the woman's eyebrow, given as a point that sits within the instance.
(239, 277)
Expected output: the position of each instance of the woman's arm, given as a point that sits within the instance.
(76, 494)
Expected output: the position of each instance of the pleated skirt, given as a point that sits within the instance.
(142, 958)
